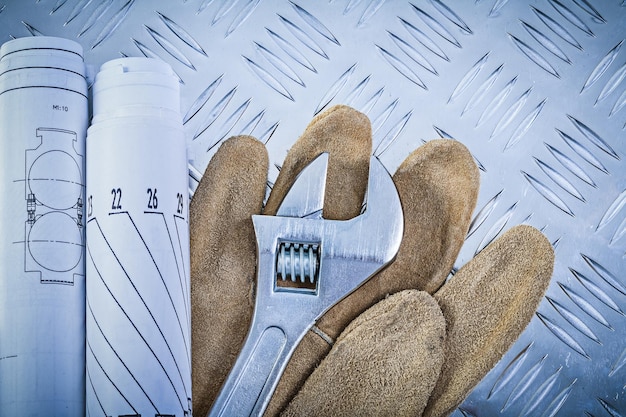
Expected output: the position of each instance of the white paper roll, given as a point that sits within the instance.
(43, 122)
(138, 313)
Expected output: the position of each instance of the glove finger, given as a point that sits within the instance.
(438, 187)
(347, 136)
(487, 304)
(223, 261)
(386, 362)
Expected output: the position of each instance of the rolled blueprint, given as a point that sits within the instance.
(138, 313)
(43, 123)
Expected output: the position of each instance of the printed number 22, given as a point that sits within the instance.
(117, 199)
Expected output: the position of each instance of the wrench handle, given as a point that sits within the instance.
(252, 381)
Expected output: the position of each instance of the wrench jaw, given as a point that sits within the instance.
(376, 234)
(338, 256)
(305, 198)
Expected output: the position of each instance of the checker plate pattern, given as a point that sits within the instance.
(536, 89)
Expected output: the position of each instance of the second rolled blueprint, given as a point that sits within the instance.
(138, 313)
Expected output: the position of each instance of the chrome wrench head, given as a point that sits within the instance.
(348, 252)
(305, 265)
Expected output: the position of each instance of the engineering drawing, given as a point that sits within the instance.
(54, 188)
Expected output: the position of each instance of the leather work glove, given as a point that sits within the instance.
(404, 343)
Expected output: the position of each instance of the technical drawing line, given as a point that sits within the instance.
(55, 241)
(55, 179)
(159, 271)
(186, 288)
(156, 266)
(118, 357)
(42, 86)
(130, 320)
(96, 395)
(109, 378)
(135, 327)
(43, 67)
(184, 292)
(181, 279)
(169, 295)
(142, 299)
(57, 281)
(184, 337)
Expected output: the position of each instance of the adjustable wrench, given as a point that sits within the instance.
(305, 265)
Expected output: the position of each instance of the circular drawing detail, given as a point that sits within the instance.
(55, 179)
(55, 242)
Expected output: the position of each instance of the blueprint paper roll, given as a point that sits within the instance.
(43, 122)
(138, 313)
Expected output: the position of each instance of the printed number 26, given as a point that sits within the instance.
(153, 201)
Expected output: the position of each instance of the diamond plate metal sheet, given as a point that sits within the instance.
(536, 89)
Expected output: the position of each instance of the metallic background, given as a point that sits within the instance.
(536, 89)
